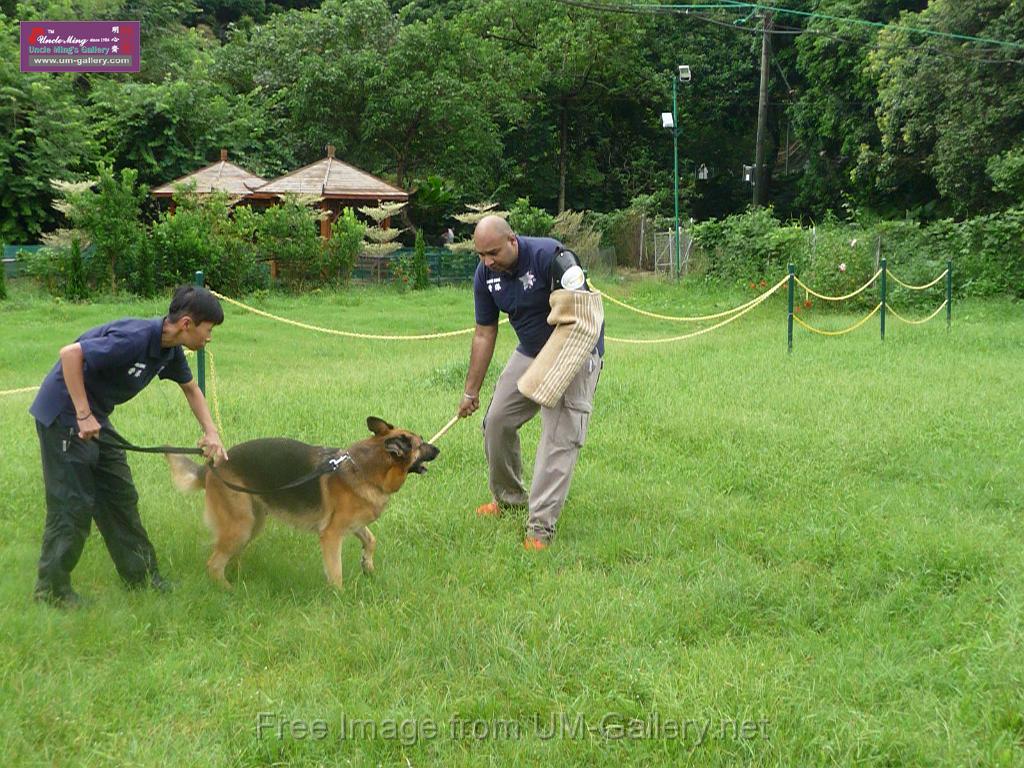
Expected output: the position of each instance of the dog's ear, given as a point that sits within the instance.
(378, 426)
(399, 446)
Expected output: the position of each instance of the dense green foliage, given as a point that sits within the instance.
(466, 100)
(538, 106)
(987, 252)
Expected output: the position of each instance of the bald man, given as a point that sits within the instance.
(516, 275)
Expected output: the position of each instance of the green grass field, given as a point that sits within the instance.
(765, 559)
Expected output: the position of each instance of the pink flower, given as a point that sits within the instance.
(842, 267)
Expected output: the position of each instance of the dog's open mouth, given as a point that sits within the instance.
(427, 453)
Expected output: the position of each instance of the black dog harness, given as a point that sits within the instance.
(325, 468)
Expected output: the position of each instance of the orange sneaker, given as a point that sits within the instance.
(490, 509)
(531, 544)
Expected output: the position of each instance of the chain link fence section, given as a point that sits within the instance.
(664, 253)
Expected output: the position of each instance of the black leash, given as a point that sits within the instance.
(326, 468)
(114, 440)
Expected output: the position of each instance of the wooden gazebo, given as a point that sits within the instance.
(337, 184)
(218, 177)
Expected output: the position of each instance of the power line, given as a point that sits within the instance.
(856, 20)
(778, 30)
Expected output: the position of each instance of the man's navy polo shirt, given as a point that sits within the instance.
(522, 294)
(120, 359)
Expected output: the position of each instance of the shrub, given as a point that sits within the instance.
(288, 232)
(419, 268)
(77, 289)
(987, 254)
(44, 267)
(60, 267)
(578, 234)
(3, 283)
(528, 220)
(205, 233)
(344, 246)
(111, 217)
(747, 246)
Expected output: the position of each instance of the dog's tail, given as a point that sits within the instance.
(186, 475)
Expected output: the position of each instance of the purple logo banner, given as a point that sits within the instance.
(80, 46)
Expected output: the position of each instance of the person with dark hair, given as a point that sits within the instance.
(87, 479)
(520, 276)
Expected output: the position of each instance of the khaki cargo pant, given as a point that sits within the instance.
(563, 431)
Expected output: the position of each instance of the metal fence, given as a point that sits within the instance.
(12, 266)
(445, 267)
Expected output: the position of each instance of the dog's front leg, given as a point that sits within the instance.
(330, 546)
(369, 546)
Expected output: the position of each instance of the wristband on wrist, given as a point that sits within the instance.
(83, 418)
(470, 397)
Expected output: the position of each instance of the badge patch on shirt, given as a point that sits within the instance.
(493, 284)
(528, 281)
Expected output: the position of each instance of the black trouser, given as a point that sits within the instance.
(86, 480)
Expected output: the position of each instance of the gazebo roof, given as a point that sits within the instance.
(332, 179)
(219, 177)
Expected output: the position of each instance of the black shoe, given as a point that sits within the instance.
(64, 598)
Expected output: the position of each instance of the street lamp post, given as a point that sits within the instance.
(682, 76)
(675, 166)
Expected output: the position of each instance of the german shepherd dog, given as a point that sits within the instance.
(350, 494)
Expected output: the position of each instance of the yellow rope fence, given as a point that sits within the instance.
(347, 334)
(17, 391)
(918, 287)
(749, 306)
(677, 318)
(853, 327)
(838, 298)
(891, 311)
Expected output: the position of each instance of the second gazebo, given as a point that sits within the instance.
(337, 184)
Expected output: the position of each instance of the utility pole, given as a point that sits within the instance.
(760, 172)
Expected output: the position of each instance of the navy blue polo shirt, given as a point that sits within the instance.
(120, 359)
(522, 294)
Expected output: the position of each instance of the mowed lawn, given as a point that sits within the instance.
(766, 558)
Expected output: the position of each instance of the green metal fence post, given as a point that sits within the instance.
(201, 354)
(885, 270)
(792, 287)
(949, 293)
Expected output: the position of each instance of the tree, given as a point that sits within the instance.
(948, 107)
(45, 133)
(307, 76)
(167, 128)
(573, 68)
(433, 108)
